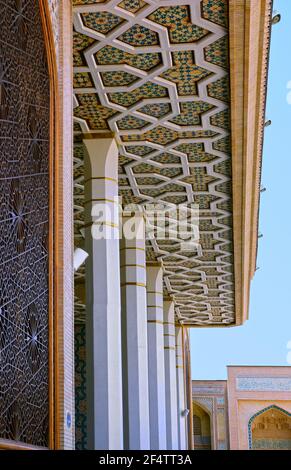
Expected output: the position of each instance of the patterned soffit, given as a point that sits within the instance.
(156, 74)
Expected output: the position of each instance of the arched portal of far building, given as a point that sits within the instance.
(201, 428)
(270, 429)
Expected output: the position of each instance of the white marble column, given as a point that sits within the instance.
(170, 375)
(181, 396)
(134, 334)
(156, 357)
(103, 310)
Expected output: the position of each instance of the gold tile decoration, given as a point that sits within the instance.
(169, 108)
(132, 5)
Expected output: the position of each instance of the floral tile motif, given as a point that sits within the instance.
(167, 158)
(83, 80)
(223, 167)
(223, 145)
(220, 89)
(147, 181)
(120, 78)
(140, 150)
(204, 200)
(131, 122)
(163, 136)
(80, 44)
(147, 168)
(144, 168)
(101, 21)
(199, 179)
(139, 36)
(80, 387)
(185, 74)
(90, 109)
(221, 119)
(109, 55)
(225, 205)
(175, 199)
(183, 58)
(217, 52)
(177, 20)
(122, 162)
(215, 11)
(155, 193)
(128, 197)
(132, 5)
(207, 241)
(191, 113)
(148, 90)
(157, 110)
(225, 187)
(195, 152)
(206, 225)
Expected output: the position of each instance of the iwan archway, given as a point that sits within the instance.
(201, 428)
(270, 429)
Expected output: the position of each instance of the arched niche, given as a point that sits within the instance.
(201, 427)
(270, 429)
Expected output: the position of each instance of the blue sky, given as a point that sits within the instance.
(263, 339)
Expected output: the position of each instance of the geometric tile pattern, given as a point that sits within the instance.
(80, 387)
(132, 5)
(161, 84)
(103, 21)
(120, 78)
(25, 226)
(139, 36)
(178, 22)
(111, 55)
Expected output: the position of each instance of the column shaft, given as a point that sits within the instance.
(103, 318)
(156, 357)
(134, 336)
(170, 375)
(181, 389)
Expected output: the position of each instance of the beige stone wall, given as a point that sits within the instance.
(250, 390)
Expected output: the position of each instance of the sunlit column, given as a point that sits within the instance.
(134, 334)
(103, 312)
(156, 357)
(170, 375)
(181, 398)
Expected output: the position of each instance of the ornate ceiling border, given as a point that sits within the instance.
(249, 34)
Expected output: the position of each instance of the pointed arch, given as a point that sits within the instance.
(281, 438)
(202, 427)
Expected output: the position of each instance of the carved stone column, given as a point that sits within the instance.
(181, 389)
(156, 357)
(134, 335)
(170, 375)
(103, 314)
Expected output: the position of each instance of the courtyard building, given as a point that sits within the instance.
(131, 137)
